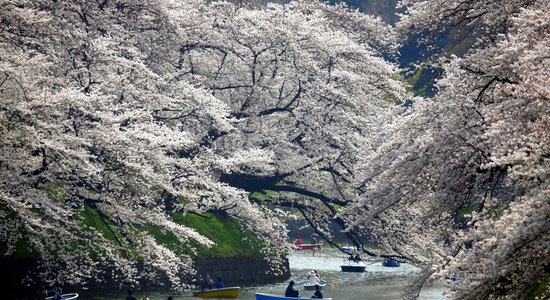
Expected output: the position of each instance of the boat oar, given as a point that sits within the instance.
(331, 285)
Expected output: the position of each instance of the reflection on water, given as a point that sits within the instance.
(378, 282)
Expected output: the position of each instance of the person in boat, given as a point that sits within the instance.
(314, 239)
(56, 292)
(290, 291)
(313, 278)
(130, 295)
(318, 276)
(357, 258)
(298, 241)
(317, 294)
(208, 283)
(219, 283)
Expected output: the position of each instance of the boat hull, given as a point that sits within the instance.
(71, 296)
(353, 266)
(307, 247)
(262, 296)
(357, 269)
(391, 263)
(226, 293)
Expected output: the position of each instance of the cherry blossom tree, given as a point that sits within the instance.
(93, 119)
(511, 252)
(460, 182)
(131, 111)
(312, 90)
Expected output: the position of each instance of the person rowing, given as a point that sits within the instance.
(313, 278)
(317, 294)
(219, 284)
(208, 283)
(56, 292)
(290, 291)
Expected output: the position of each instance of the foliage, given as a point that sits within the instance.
(94, 122)
(112, 112)
(230, 239)
(122, 121)
(482, 139)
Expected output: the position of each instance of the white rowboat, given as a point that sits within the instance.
(71, 296)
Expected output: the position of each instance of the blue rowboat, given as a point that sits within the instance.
(71, 296)
(391, 263)
(262, 296)
(349, 249)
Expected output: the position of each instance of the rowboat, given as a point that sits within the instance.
(262, 296)
(71, 296)
(309, 286)
(307, 247)
(227, 293)
(353, 266)
(390, 263)
(347, 249)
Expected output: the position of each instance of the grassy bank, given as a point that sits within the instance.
(230, 238)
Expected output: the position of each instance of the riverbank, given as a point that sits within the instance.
(377, 283)
(247, 271)
(236, 256)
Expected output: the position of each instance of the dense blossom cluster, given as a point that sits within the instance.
(127, 112)
(460, 182)
(94, 121)
(131, 111)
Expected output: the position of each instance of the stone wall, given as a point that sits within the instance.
(240, 271)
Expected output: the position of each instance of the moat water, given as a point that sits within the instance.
(377, 282)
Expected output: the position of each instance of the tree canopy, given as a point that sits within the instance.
(136, 111)
(460, 181)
